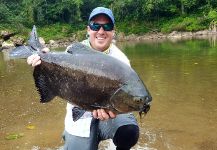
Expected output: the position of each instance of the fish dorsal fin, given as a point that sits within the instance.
(78, 47)
(33, 41)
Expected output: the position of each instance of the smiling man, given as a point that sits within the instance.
(93, 127)
(101, 32)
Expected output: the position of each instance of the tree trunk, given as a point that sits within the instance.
(182, 8)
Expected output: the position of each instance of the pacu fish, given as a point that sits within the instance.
(85, 77)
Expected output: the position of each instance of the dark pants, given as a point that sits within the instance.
(123, 130)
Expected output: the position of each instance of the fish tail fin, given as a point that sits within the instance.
(33, 41)
(25, 51)
(20, 52)
(42, 85)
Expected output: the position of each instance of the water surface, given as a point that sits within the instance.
(181, 76)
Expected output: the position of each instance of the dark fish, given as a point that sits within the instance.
(86, 78)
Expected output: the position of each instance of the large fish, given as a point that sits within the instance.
(86, 78)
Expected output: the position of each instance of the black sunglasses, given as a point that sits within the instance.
(96, 26)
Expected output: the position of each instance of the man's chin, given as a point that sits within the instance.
(101, 46)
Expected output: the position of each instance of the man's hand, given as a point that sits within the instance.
(101, 114)
(35, 59)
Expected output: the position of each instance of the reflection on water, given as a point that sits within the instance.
(181, 77)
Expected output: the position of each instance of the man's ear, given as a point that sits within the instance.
(113, 33)
(88, 29)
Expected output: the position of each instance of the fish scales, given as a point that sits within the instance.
(74, 85)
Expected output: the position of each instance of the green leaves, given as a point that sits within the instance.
(190, 23)
(212, 15)
(14, 136)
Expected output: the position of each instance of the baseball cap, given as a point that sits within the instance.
(102, 10)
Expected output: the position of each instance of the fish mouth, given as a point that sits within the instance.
(144, 110)
(146, 107)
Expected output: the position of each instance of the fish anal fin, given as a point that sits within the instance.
(42, 85)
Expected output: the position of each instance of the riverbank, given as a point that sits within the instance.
(9, 41)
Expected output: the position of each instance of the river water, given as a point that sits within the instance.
(181, 76)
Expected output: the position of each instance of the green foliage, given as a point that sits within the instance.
(190, 23)
(212, 15)
(132, 27)
(4, 13)
(58, 31)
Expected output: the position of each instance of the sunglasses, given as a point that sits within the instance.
(96, 26)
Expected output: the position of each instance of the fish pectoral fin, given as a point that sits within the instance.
(77, 113)
(42, 85)
(100, 106)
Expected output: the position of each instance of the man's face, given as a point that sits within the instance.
(100, 40)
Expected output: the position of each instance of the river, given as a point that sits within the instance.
(181, 76)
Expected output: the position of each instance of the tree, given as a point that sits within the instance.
(186, 5)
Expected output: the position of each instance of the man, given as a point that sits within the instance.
(92, 127)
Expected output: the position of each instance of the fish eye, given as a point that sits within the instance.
(137, 100)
